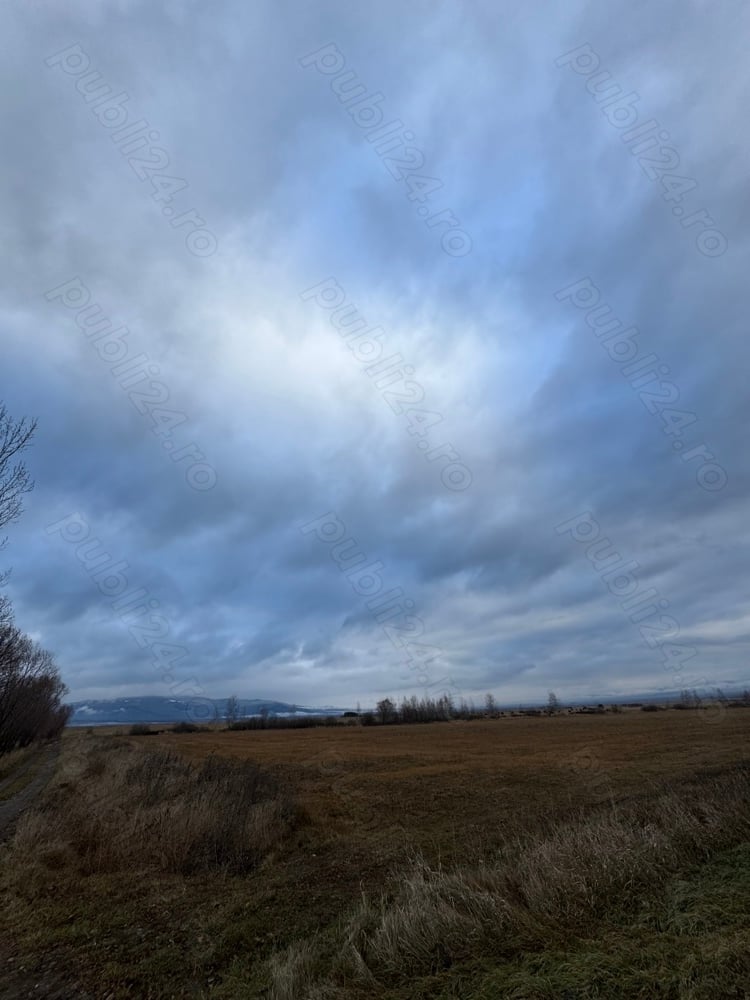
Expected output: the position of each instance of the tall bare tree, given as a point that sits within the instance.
(31, 689)
(233, 710)
(15, 480)
(386, 710)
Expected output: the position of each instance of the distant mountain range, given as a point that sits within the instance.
(114, 711)
(155, 709)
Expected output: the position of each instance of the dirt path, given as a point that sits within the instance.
(16, 981)
(19, 772)
(11, 809)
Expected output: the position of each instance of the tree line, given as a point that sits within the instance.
(31, 689)
(387, 712)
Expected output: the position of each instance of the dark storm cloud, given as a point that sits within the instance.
(272, 398)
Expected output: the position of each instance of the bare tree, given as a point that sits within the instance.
(232, 713)
(15, 435)
(553, 703)
(490, 704)
(386, 710)
(689, 699)
(31, 691)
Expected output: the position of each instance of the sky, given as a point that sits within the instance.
(379, 350)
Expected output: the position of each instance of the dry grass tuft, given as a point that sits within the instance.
(13, 759)
(293, 971)
(536, 893)
(112, 809)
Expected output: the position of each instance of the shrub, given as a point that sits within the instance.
(31, 689)
(139, 729)
(189, 727)
(114, 808)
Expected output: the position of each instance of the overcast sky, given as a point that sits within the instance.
(504, 197)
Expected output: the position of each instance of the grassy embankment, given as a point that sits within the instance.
(590, 856)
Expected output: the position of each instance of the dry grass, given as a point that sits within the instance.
(114, 809)
(535, 893)
(10, 762)
(491, 836)
(452, 790)
(293, 970)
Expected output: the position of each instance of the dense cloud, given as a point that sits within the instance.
(544, 419)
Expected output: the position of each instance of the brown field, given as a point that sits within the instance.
(372, 800)
(448, 787)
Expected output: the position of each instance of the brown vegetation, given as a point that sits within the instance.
(499, 858)
(444, 789)
(31, 689)
(542, 889)
(155, 810)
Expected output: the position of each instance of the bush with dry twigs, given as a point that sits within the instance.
(112, 808)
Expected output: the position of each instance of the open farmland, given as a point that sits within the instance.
(436, 785)
(370, 810)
